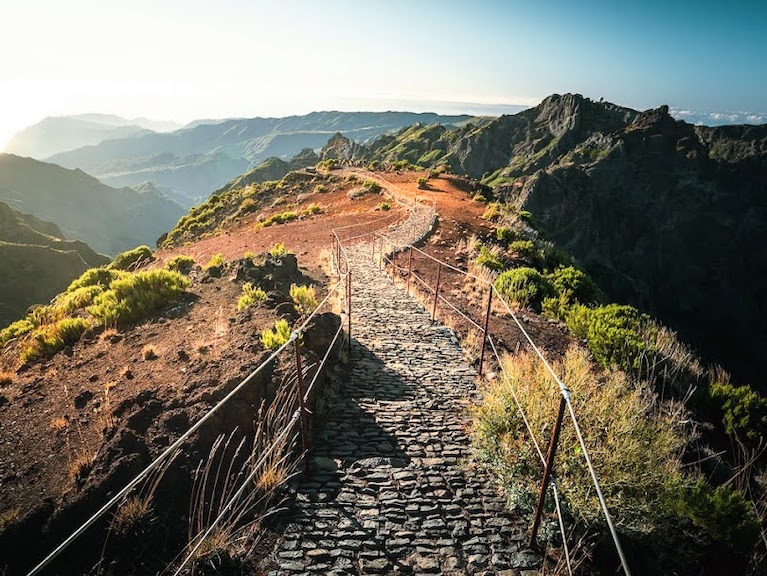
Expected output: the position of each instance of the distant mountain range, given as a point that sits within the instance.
(36, 263)
(63, 133)
(110, 220)
(193, 161)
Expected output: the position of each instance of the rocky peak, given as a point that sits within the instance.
(339, 147)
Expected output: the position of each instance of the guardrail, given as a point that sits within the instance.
(385, 256)
(300, 417)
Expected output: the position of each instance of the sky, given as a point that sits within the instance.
(188, 59)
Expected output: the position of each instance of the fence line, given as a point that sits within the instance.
(565, 402)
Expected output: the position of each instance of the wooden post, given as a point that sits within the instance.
(436, 293)
(349, 310)
(547, 470)
(484, 330)
(301, 401)
(409, 269)
(392, 261)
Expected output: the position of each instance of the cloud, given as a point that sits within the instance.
(718, 118)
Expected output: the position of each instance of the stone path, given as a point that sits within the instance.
(393, 490)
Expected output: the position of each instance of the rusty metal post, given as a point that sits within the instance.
(484, 330)
(547, 470)
(349, 310)
(301, 400)
(392, 261)
(409, 269)
(338, 254)
(436, 293)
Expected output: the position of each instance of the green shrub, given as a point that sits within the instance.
(18, 328)
(96, 277)
(250, 295)
(384, 206)
(489, 259)
(635, 446)
(525, 250)
(613, 335)
(216, 261)
(304, 298)
(493, 212)
(527, 217)
(79, 298)
(723, 514)
(136, 296)
(743, 411)
(372, 186)
(524, 286)
(248, 205)
(128, 260)
(180, 263)
(278, 250)
(505, 234)
(283, 218)
(50, 338)
(574, 285)
(311, 210)
(423, 183)
(272, 339)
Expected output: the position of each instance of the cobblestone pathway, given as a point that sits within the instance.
(393, 490)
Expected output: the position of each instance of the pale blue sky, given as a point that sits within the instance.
(187, 59)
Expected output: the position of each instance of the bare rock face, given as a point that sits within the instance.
(674, 220)
(339, 147)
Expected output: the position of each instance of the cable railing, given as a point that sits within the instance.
(299, 417)
(386, 256)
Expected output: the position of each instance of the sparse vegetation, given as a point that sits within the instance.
(250, 295)
(743, 411)
(524, 286)
(423, 183)
(6, 378)
(80, 467)
(278, 250)
(149, 352)
(50, 338)
(490, 258)
(273, 338)
(493, 212)
(372, 186)
(133, 298)
(97, 277)
(132, 259)
(384, 206)
(216, 261)
(180, 263)
(504, 234)
(132, 515)
(304, 298)
(282, 218)
(311, 210)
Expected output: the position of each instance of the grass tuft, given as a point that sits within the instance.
(273, 338)
(250, 295)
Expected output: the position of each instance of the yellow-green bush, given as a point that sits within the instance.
(127, 260)
(372, 185)
(97, 277)
(635, 446)
(524, 287)
(78, 298)
(304, 298)
(278, 250)
(15, 330)
(50, 338)
(250, 295)
(493, 212)
(180, 263)
(134, 297)
(216, 261)
(271, 339)
(489, 259)
(311, 209)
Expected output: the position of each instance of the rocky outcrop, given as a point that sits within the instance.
(674, 221)
(339, 147)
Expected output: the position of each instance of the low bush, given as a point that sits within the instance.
(283, 218)
(15, 330)
(50, 338)
(613, 334)
(278, 250)
(135, 297)
(180, 263)
(371, 185)
(250, 295)
(97, 277)
(742, 410)
(304, 298)
(524, 287)
(526, 217)
(130, 259)
(423, 183)
(525, 251)
(384, 206)
(634, 445)
(216, 261)
(505, 234)
(490, 259)
(493, 212)
(271, 339)
(311, 210)
(76, 299)
(575, 286)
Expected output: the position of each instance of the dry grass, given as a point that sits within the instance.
(59, 423)
(149, 352)
(131, 515)
(6, 378)
(109, 335)
(80, 466)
